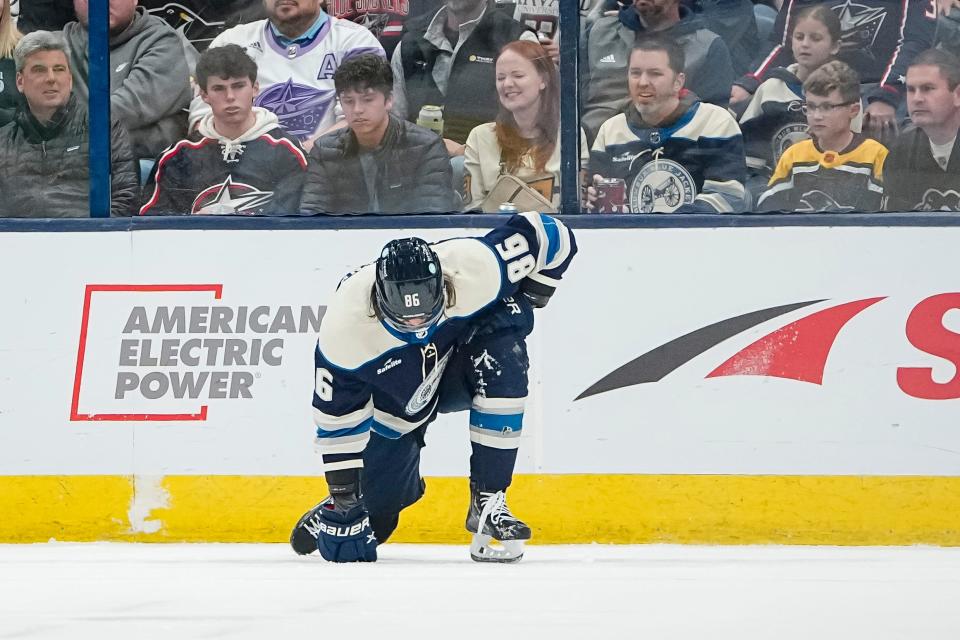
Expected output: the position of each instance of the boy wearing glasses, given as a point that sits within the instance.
(837, 170)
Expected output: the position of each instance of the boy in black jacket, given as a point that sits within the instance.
(378, 163)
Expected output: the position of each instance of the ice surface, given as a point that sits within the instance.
(240, 591)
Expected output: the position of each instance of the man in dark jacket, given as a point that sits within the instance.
(149, 78)
(44, 152)
(379, 163)
(922, 172)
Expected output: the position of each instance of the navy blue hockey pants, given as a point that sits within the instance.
(391, 468)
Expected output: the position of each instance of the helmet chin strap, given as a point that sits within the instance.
(419, 336)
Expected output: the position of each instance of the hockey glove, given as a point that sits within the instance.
(536, 293)
(345, 533)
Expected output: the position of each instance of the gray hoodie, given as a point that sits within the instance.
(149, 80)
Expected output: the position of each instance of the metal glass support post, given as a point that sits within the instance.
(569, 112)
(99, 107)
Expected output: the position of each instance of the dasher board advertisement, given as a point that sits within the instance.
(820, 351)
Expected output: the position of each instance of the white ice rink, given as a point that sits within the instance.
(141, 592)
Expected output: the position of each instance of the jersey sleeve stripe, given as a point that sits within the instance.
(344, 444)
(496, 422)
(377, 51)
(715, 200)
(327, 434)
(399, 425)
(553, 236)
(283, 142)
(346, 464)
(498, 405)
(347, 420)
(161, 163)
(383, 430)
(896, 52)
(487, 439)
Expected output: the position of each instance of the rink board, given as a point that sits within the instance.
(687, 385)
(562, 509)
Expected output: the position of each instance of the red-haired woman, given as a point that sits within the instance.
(524, 140)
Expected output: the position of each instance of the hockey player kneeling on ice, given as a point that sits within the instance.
(673, 153)
(428, 329)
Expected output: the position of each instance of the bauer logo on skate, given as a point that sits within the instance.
(162, 351)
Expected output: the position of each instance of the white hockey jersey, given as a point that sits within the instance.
(296, 81)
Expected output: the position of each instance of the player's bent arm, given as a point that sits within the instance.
(343, 415)
(486, 269)
(536, 250)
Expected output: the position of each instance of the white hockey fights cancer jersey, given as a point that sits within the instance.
(370, 377)
(296, 82)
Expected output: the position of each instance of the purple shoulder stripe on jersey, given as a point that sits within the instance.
(271, 39)
(377, 51)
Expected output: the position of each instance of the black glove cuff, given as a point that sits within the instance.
(536, 292)
(343, 482)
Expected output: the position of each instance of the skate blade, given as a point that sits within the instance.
(484, 548)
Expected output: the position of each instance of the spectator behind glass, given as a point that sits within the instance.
(838, 170)
(149, 80)
(44, 15)
(708, 70)
(772, 120)
(879, 39)
(297, 50)
(446, 60)
(922, 172)
(524, 140)
(385, 20)
(671, 152)
(948, 26)
(238, 161)
(379, 163)
(44, 152)
(200, 21)
(543, 16)
(733, 20)
(9, 37)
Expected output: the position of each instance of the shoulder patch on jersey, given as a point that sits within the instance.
(714, 121)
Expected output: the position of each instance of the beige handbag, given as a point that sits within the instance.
(509, 188)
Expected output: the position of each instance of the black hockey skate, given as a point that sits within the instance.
(304, 536)
(489, 520)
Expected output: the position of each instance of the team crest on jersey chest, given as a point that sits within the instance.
(299, 108)
(786, 137)
(431, 379)
(661, 186)
(230, 198)
(859, 24)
